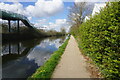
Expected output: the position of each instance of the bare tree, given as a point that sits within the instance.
(63, 30)
(78, 12)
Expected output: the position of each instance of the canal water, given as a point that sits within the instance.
(21, 59)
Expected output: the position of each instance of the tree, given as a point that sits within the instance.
(63, 31)
(79, 11)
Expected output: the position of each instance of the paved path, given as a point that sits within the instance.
(72, 63)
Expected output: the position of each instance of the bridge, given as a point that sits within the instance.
(8, 15)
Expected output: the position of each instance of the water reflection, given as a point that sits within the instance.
(43, 51)
(21, 59)
(14, 50)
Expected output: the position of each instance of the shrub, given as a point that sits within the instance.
(100, 40)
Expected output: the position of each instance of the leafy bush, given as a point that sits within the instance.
(100, 40)
(47, 69)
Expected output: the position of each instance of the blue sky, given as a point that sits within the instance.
(46, 14)
(53, 17)
(62, 15)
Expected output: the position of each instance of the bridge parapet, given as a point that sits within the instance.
(8, 15)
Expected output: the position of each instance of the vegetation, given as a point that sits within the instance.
(27, 33)
(55, 33)
(47, 69)
(78, 12)
(99, 38)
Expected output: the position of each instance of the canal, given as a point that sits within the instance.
(20, 59)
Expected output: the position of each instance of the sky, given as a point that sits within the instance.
(45, 14)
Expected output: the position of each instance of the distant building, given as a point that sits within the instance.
(86, 18)
(96, 9)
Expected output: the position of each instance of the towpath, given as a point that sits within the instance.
(72, 63)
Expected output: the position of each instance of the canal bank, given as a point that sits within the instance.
(28, 55)
(47, 69)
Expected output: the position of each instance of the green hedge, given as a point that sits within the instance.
(100, 40)
(45, 71)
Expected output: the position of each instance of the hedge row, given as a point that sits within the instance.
(45, 71)
(100, 40)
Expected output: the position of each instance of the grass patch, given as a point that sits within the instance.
(47, 69)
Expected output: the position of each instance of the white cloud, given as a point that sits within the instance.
(15, 7)
(62, 0)
(69, 8)
(91, 0)
(59, 23)
(30, 18)
(44, 24)
(40, 23)
(42, 8)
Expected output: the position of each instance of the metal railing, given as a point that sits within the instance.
(15, 15)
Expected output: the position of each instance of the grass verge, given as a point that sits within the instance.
(47, 69)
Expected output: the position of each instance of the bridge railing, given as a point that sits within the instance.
(20, 15)
(15, 15)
